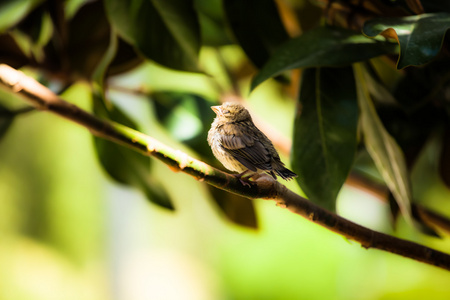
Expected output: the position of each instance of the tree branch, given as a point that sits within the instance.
(263, 187)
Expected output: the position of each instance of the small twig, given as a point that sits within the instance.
(263, 187)
(380, 191)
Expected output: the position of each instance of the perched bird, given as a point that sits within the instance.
(240, 146)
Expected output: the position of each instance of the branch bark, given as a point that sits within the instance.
(263, 187)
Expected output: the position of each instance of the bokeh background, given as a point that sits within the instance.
(69, 232)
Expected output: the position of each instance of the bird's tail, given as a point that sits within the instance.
(284, 172)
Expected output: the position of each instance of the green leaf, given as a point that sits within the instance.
(257, 27)
(122, 164)
(236, 208)
(383, 149)
(13, 11)
(321, 47)
(420, 37)
(324, 143)
(99, 73)
(166, 31)
(89, 24)
(212, 23)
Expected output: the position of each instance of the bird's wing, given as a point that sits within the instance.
(248, 150)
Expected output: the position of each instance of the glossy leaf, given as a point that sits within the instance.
(420, 37)
(257, 27)
(383, 149)
(321, 47)
(324, 142)
(166, 31)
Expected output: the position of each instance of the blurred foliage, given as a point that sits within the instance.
(370, 100)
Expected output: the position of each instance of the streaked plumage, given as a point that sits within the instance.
(240, 146)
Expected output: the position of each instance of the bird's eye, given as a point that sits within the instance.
(225, 111)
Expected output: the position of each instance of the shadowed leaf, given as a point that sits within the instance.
(321, 47)
(383, 149)
(257, 27)
(122, 164)
(325, 133)
(166, 31)
(420, 37)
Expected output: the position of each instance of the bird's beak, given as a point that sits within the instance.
(217, 109)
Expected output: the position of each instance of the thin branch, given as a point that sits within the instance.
(263, 186)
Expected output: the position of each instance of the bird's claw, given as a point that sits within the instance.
(244, 180)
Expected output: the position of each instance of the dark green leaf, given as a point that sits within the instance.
(125, 165)
(212, 23)
(324, 142)
(99, 73)
(257, 27)
(90, 36)
(33, 33)
(383, 149)
(131, 168)
(13, 11)
(236, 208)
(322, 46)
(432, 6)
(420, 37)
(122, 164)
(166, 31)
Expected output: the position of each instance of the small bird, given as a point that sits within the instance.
(240, 146)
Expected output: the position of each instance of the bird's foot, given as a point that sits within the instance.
(244, 180)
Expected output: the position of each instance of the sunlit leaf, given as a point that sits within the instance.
(13, 11)
(257, 27)
(322, 46)
(420, 37)
(166, 31)
(325, 132)
(383, 149)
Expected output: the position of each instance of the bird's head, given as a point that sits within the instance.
(231, 112)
